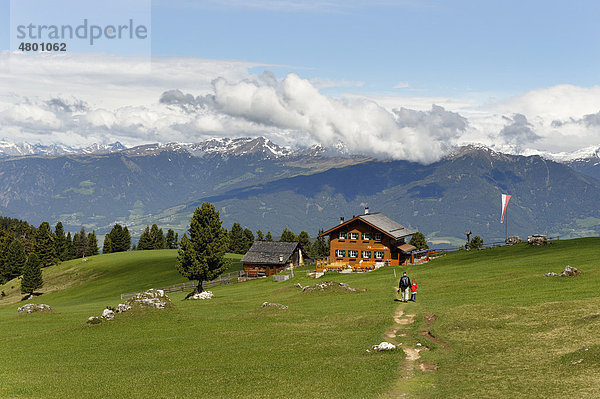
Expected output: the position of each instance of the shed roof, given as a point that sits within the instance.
(270, 252)
(381, 223)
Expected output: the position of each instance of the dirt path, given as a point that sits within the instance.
(411, 362)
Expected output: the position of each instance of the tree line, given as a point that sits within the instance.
(240, 240)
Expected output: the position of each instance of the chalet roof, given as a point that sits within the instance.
(406, 248)
(381, 223)
(386, 225)
(270, 252)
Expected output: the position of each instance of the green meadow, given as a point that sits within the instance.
(494, 326)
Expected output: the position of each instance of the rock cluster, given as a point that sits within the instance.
(152, 298)
(384, 346)
(328, 284)
(537, 239)
(202, 295)
(513, 240)
(34, 307)
(568, 272)
(274, 305)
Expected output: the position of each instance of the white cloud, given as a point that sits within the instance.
(81, 99)
(401, 85)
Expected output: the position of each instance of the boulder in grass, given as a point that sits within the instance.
(384, 346)
(201, 295)
(151, 298)
(273, 305)
(122, 307)
(108, 314)
(569, 271)
(34, 307)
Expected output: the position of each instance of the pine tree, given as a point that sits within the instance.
(145, 241)
(170, 239)
(304, 240)
(158, 238)
(201, 256)
(418, 240)
(259, 235)
(320, 248)
(70, 248)
(120, 238)
(44, 245)
(268, 237)
(14, 260)
(32, 275)
(107, 246)
(237, 241)
(248, 239)
(287, 236)
(81, 243)
(476, 243)
(60, 242)
(92, 244)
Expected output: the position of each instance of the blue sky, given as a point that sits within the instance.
(437, 47)
(380, 76)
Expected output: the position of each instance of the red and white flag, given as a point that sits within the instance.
(505, 199)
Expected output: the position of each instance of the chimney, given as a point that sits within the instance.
(342, 220)
(366, 210)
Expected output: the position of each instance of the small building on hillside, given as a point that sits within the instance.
(367, 239)
(265, 258)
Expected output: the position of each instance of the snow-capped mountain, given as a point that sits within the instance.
(26, 149)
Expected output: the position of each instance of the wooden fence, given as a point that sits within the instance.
(227, 278)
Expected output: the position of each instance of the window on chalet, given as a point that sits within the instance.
(379, 254)
(377, 236)
(353, 254)
(366, 254)
(342, 235)
(366, 236)
(340, 253)
(353, 236)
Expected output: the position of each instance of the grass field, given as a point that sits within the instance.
(496, 328)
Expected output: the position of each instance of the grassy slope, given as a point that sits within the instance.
(225, 347)
(509, 330)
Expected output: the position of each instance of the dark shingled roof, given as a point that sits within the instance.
(386, 225)
(269, 252)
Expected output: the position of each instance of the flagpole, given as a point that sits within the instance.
(506, 225)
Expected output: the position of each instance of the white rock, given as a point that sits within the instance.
(202, 295)
(384, 346)
(108, 314)
(33, 307)
(122, 307)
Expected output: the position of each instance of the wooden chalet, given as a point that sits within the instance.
(366, 239)
(265, 258)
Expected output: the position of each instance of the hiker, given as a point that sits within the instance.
(413, 290)
(404, 288)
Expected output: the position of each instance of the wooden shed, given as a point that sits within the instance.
(265, 258)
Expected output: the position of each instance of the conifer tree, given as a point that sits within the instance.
(287, 236)
(81, 244)
(320, 247)
(120, 238)
(248, 239)
(259, 235)
(32, 275)
(126, 239)
(60, 242)
(304, 240)
(70, 247)
(14, 260)
(107, 246)
(44, 245)
(145, 241)
(170, 239)
(158, 238)
(201, 256)
(237, 241)
(92, 244)
(268, 237)
(418, 240)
